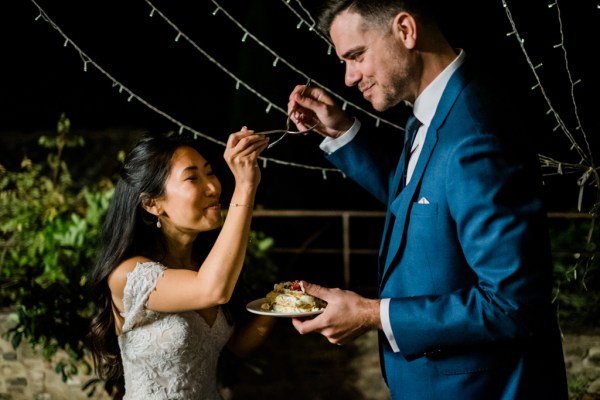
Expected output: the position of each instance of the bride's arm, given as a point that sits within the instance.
(249, 337)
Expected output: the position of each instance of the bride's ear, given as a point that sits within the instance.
(150, 204)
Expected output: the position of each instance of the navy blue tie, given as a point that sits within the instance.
(410, 131)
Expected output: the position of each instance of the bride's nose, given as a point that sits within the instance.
(213, 188)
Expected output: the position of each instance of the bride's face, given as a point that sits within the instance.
(191, 200)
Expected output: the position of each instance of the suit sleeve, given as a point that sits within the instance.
(369, 163)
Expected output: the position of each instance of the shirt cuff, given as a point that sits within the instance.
(384, 314)
(329, 145)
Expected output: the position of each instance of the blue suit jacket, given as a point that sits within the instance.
(469, 274)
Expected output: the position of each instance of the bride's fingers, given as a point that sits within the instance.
(250, 144)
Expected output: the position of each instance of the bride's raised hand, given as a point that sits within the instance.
(241, 154)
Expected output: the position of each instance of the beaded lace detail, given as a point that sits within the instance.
(167, 355)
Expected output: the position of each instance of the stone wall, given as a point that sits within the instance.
(25, 375)
(582, 359)
(300, 367)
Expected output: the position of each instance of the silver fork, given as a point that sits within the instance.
(287, 131)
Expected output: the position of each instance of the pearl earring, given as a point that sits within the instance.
(158, 224)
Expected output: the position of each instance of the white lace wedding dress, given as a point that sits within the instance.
(167, 355)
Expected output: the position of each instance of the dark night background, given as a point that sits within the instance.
(41, 78)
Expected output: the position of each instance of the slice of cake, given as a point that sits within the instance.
(289, 297)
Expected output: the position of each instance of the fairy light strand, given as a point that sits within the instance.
(539, 84)
(131, 95)
(280, 59)
(561, 167)
(585, 166)
(573, 83)
(237, 79)
(311, 23)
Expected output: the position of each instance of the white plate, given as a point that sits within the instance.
(254, 307)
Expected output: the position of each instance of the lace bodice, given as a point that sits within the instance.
(167, 355)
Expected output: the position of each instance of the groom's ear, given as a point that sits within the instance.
(405, 29)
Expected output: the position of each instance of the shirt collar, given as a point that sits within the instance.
(427, 102)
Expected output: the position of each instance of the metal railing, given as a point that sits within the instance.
(347, 250)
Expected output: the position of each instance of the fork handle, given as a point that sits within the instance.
(271, 132)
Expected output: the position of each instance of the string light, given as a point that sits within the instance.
(309, 21)
(586, 158)
(213, 60)
(581, 182)
(132, 96)
(248, 34)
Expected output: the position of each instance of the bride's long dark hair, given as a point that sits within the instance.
(128, 230)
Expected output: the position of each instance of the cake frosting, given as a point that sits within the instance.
(290, 297)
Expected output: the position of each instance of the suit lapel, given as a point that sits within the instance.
(399, 206)
(395, 188)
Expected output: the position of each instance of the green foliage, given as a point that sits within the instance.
(49, 232)
(259, 271)
(578, 387)
(48, 236)
(577, 273)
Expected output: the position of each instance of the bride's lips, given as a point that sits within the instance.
(214, 206)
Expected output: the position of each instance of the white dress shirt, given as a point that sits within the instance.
(424, 109)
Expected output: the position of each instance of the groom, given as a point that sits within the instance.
(464, 308)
